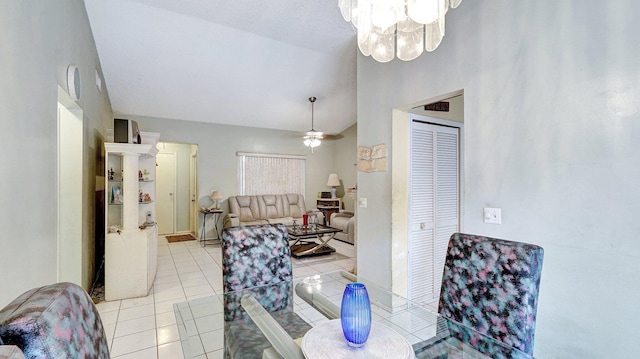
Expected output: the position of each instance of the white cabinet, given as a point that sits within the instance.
(131, 246)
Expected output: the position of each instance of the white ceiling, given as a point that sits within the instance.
(239, 62)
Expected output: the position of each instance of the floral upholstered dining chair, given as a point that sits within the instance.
(256, 260)
(490, 285)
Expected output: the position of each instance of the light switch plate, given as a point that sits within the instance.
(492, 215)
(362, 202)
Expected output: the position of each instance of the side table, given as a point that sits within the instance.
(216, 218)
(328, 206)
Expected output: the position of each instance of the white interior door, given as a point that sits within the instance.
(70, 195)
(433, 205)
(165, 193)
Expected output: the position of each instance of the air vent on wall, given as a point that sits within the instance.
(437, 106)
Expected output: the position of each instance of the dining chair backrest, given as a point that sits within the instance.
(492, 286)
(257, 256)
(256, 268)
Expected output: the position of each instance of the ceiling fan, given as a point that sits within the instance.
(314, 138)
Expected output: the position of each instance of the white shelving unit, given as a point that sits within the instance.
(131, 248)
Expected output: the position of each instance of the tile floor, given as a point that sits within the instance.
(145, 328)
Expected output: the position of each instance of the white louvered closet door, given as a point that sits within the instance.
(434, 205)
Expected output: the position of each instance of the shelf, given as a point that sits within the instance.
(143, 181)
(131, 148)
(142, 202)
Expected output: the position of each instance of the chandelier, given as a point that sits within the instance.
(313, 138)
(403, 28)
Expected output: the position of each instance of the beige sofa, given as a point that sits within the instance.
(347, 222)
(267, 208)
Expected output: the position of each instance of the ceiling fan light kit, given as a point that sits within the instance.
(402, 28)
(312, 138)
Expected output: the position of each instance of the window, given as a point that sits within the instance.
(261, 173)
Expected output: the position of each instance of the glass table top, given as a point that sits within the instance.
(311, 230)
(210, 325)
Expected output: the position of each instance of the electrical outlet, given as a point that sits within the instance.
(362, 202)
(492, 215)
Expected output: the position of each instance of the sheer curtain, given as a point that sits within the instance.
(261, 173)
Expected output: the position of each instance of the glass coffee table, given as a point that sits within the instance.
(305, 244)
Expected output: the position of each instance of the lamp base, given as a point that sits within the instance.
(333, 192)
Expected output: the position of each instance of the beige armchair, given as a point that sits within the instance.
(347, 222)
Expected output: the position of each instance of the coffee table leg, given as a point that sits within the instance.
(296, 242)
(316, 248)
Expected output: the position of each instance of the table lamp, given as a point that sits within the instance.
(216, 196)
(333, 182)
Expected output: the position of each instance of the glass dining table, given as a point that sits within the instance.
(291, 318)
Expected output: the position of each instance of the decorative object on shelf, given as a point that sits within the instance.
(333, 182)
(372, 159)
(312, 138)
(110, 174)
(403, 28)
(355, 314)
(145, 198)
(116, 195)
(145, 173)
(216, 196)
(149, 221)
(140, 178)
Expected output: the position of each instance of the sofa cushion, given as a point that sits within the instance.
(293, 205)
(284, 220)
(54, 321)
(245, 207)
(270, 206)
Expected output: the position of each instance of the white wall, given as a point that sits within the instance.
(551, 118)
(39, 40)
(344, 161)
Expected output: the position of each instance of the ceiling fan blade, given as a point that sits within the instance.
(331, 137)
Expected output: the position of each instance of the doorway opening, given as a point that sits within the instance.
(176, 188)
(411, 223)
(70, 252)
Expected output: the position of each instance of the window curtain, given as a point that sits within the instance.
(261, 173)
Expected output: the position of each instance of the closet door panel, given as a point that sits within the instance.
(434, 205)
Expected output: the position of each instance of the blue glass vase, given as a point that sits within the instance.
(355, 314)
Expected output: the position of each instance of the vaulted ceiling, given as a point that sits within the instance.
(239, 62)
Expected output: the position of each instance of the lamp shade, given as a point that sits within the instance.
(215, 195)
(333, 180)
